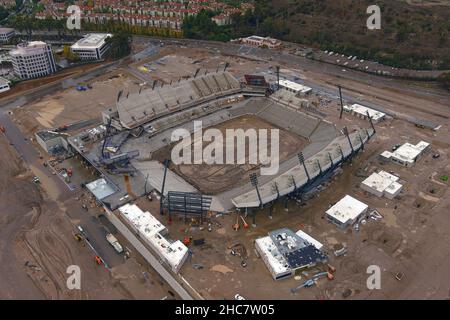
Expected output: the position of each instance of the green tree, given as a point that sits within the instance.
(3, 13)
(444, 79)
(120, 44)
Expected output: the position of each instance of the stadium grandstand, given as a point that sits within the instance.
(141, 107)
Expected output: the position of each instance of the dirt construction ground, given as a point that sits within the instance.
(212, 179)
(36, 227)
(70, 106)
(37, 243)
(412, 238)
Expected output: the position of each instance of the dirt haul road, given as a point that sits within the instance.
(37, 244)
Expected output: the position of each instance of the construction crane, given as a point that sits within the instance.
(108, 126)
(161, 210)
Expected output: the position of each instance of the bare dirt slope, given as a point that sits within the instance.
(37, 246)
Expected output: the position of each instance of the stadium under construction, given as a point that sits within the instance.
(130, 149)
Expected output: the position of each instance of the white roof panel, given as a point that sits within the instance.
(309, 239)
(348, 208)
(274, 258)
(297, 87)
(362, 110)
(91, 41)
(380, 181)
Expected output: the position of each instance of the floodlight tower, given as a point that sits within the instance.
(275, 186)
(301, 159)
(145, 185)
(196, 72)
(361, 140)
(320, 167)
(367, 133)
(331, 159)
(342, 153)
(370, 120)
(342, 103)
(254, 182)
(278, 77)
(345, 130)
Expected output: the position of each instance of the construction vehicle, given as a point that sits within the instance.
(331, 269)
(237, 226)
(114, 242)
(238, 249)
(245, 222)
(78, 237)
(98, 260)
(308, 283)
(327, 274)
(340, 252)
(187, 241)
(65, 176)
(64, 127)
(237, 296)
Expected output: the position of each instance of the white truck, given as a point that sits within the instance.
(114, 242)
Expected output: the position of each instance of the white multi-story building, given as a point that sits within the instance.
(92, 47)
(6, 34)
(32, 60)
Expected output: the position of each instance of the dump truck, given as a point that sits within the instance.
(114, 242)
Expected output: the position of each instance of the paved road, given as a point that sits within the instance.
(335, 73)
(300, 63)
(137, 244)
(59, 191)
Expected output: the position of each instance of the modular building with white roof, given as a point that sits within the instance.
(295, 87)
(153, 232)
(144, 222)
(92, 47)
(382, 184)
(274, 261)
(283, 265)
(361, 112)
(407, 154)
(258, 41)
(346, 211)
